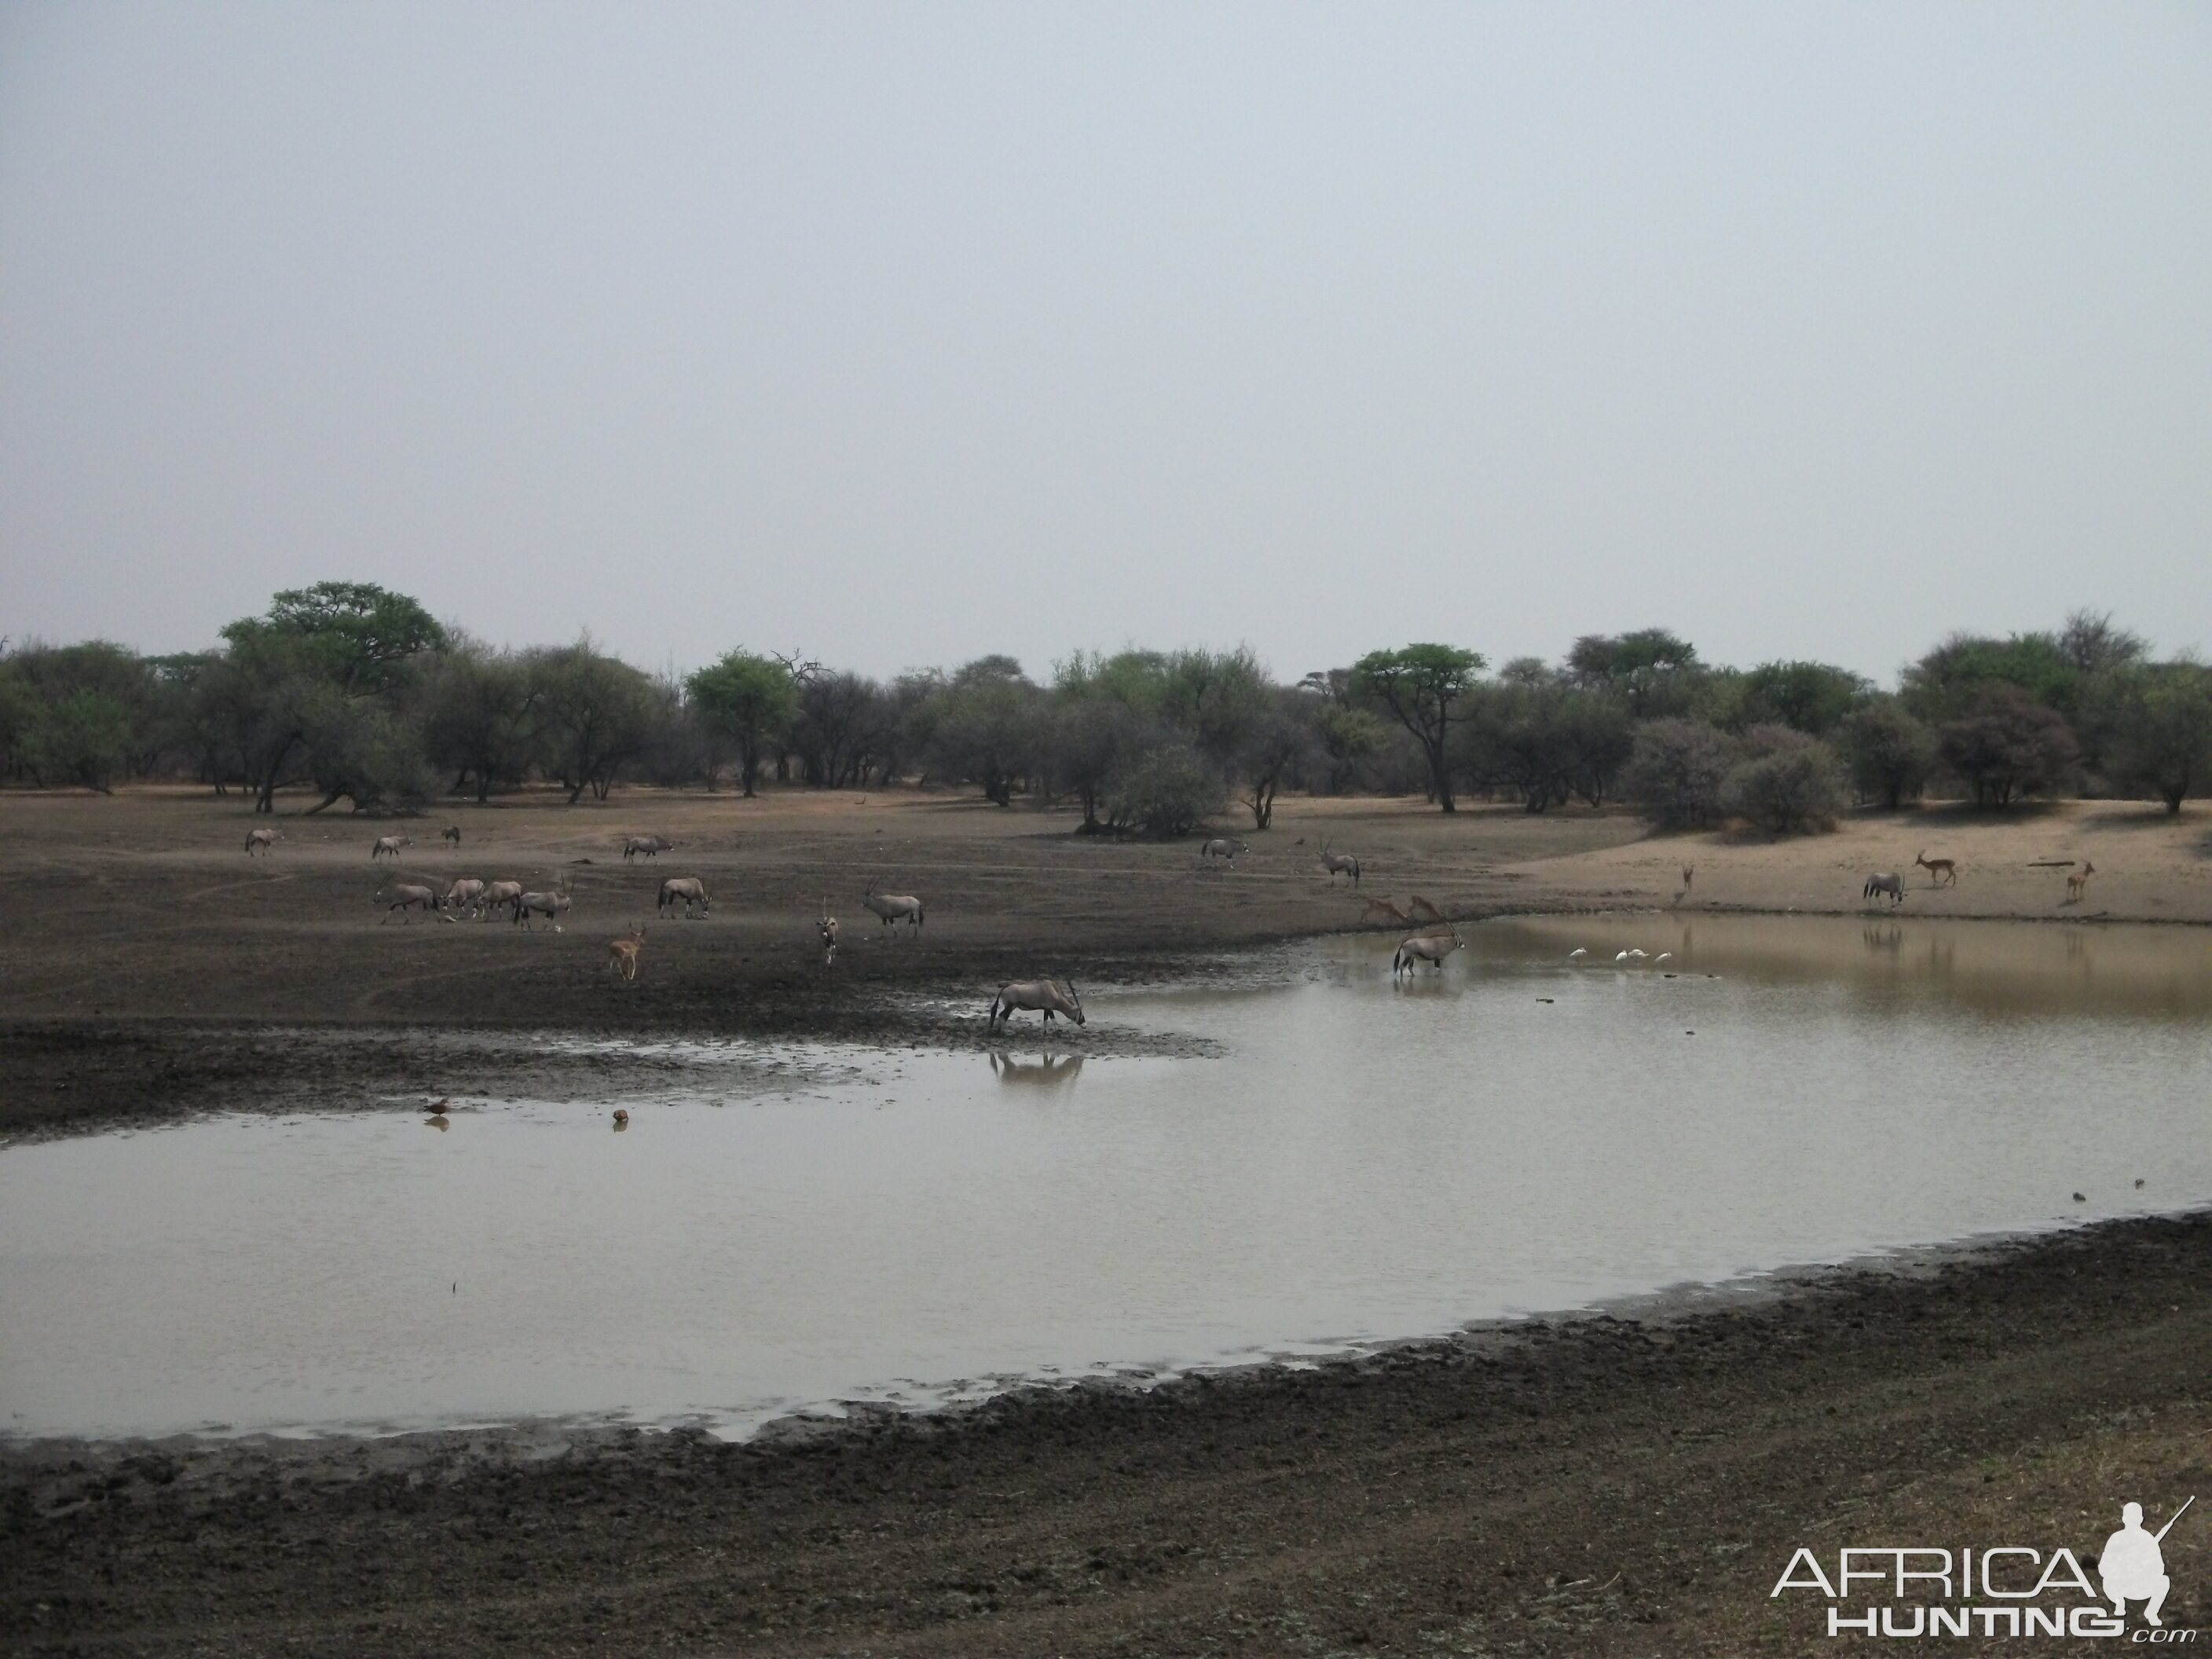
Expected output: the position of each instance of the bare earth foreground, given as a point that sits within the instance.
(1631, 1485)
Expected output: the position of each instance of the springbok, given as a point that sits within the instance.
(2077, 883)
(1224, 847)
(404, 898)
(622, 954)
(687, 890)
(548, 905)
(1885, 881)
(262, 839)
(467, 893)
(1390, 911)
(828, 928)
(1689, 876)
(1046, 996)
(1431, 948)
(650, 846)
(891, 907)
(1340, 863)
(391, 844)
(1942, 872)
(498, 893)
(1417, 904)
(452, 832)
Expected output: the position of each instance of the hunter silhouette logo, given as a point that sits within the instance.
(2008, 1590)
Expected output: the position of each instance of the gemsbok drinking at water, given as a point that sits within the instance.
(1884, 881)
(1046, 996)
(1431, 948)
(894, 908)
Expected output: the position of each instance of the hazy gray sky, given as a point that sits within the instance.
(902, 333)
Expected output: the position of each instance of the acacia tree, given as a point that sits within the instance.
(2164, 742)
(1420, 685)
(750, 701)
(478, 706)
(1890, 753)
(598, 714)
(2010, 746)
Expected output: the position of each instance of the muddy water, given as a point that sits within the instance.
(1524, 1132)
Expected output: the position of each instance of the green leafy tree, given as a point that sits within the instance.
(1889, 753)
(1786, 783)
(1812, 698)
(1679, 772)
(597, 714)
(362, 635)
(985, 729)
(1420, 686)
(2164, 743)
(478, 715)
(85, 739)
(750, 701)
(1653, 671)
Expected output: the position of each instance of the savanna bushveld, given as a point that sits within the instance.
(730, 852)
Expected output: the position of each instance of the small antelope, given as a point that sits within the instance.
(622, 954)
(467, 893)
(391, 844)
(1048, 997)
(2077, 883)
(687, 890)
(452, 832)
(1885, 881)
(828, 928)
(650, 846)
(1390, 911)
(264, 840)
(1340, 863)
(548, 905)
(1417, 904)
(1431, 948)
(1224, 847)
(1942, 872)
(1689, 876)
(402, 898)
(892, 907)
(498, 893)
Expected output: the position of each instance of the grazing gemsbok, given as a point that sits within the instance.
(402, 898)
(650, 846)
(498, 893)
(1340, 863)
(828, 928)
(1431, 948)
(1885, 881)
(549, 905)
(1224, 847)
(2077, 883)
(1417, 904)
(622, 954)
(687, 890)
(391, 844)
(466, 894)
(452, 832)
(892, 907)
(1942, 872)
(1046, 996)
(262, 839)
(1390, 911)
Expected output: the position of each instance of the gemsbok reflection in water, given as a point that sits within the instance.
(1049, 1072)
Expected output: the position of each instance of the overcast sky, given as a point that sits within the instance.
(897, 334)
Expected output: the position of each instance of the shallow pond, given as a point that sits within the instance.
(1369, 1161)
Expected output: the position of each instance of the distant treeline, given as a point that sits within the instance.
(362, 694)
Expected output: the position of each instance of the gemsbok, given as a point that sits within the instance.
(1340, 863)
(264, 840)
(894, 908)
(1942, 872)
(388, 844)
(551, 906)
(1046, 996)
(1885, 881)
(2077, 883)
(622, 954)
(1431, 948)
(404, 898)
(687, 890)
(1224, 847)
(1390, 911)
(466, 894)
(650, 846)
(499, 893)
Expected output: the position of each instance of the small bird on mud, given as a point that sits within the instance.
(2080, 1198)
(621, 1119)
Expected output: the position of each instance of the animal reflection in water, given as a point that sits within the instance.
(1048, 1071)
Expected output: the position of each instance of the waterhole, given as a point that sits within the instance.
(1363, 1161)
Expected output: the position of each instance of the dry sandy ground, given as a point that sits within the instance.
(1632, 1486)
